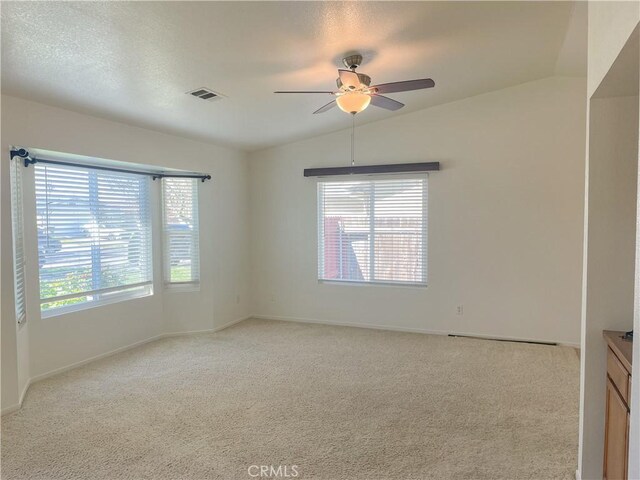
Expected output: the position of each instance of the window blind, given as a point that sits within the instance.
(373, 231)
(181, 230)
(18, 240)
(94, 235)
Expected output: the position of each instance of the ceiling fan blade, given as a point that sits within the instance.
(326, 107)
(349, 79)
(386, 102)
(405, 86)
(305, 91)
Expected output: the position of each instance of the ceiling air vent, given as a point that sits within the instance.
(205, 94)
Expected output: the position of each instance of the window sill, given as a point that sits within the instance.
(373, 284)
(78, 307)
(181, 287)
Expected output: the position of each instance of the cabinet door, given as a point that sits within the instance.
(616, 436)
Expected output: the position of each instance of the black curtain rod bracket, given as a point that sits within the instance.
(28, 160)
(373, 169)
(21, 152)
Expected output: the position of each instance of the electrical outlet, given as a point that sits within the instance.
(460, 310)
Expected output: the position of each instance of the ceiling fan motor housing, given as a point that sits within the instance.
(365, 80)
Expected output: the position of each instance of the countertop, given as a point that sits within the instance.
(621, 347)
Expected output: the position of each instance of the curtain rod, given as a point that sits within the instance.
(372, 169)
(28, 160)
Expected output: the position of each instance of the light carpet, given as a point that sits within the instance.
(335, 402)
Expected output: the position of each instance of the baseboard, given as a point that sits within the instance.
(209, 330)
(81, 363)
(394, 328)
(349, 324)
(17, 406)
(231, 323)
(24, 391)
(10, 409)
(110, 353)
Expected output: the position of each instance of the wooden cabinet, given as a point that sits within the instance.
(616, 435)
(616, 440)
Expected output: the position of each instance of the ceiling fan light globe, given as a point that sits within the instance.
(353, 102)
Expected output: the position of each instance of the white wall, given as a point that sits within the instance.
(44, 345)
(505, 218)
(634, 421)
(613, 173)
(610, 26)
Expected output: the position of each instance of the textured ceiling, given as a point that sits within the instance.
(134, 61)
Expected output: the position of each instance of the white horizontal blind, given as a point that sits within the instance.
(94, 234)
(18, 239)
(373, 230)
(181, 230)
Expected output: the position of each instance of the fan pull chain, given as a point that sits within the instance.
(353, 145)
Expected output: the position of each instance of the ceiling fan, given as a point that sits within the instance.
(354, 92)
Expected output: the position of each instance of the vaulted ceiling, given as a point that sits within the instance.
(134, 61)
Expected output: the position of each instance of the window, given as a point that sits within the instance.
(180, 225)
(94, 236)
(373, 231)
(18, 239)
